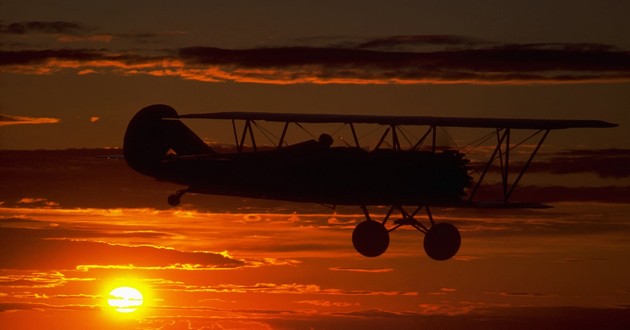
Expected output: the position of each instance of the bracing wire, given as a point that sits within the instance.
(265, 131)
(478, 142)
(450, 138)
(510, 147)
(305, 130)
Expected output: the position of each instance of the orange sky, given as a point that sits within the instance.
(74, 224)
(238, 263)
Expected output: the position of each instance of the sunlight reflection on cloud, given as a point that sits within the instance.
(6, 120)
(204, 256)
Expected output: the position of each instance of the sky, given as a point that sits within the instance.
(75, 224)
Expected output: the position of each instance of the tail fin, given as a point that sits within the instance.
(153, 132)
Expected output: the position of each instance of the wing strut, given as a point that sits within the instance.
(354, 136)
(247, 130)
(502, 152)
(529, 161)
(284, 133)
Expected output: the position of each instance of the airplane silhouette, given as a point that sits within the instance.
(423, 175)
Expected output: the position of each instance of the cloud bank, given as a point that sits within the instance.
(44, 27)
(411, 59)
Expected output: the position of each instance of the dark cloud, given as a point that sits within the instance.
(509, 62)
(17, 221)
(362, 270)
(551, 194)
(526, 294)
(511, 58)
(43, 27)
(69, 32)
(287, 57)
(378, 61)
(139, 37)
(395, 42)
(606, 163)
(578, 260)
(515, 318)
(22, 57)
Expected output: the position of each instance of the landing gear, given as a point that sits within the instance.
(176, 198)
(371, 238)
(442, 241)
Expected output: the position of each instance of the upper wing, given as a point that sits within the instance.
(408, 120)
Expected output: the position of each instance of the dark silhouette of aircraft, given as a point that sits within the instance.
(159, 145)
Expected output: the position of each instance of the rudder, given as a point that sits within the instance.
(153, 132)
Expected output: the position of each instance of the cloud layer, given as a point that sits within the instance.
(53, 249)
(44, 27)
(606, 163)
(410, 59)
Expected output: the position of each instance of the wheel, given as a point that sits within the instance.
(370, 238)
(442, 241)
(174, 200)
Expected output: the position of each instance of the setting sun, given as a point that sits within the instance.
(125, 299)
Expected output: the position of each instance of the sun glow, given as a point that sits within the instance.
(125, 299)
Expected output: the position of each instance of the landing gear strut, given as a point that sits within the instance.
(371, 238)
(176, 198)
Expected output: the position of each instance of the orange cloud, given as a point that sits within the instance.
(456, 308)
(279, 288)
(7, 120)
(362, 270)
(6, 307)
(51, 249)
(327, 303)
(401, 60)
(38, 280)
(442, 292)
(33, 202)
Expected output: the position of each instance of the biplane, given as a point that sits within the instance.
(397, 172)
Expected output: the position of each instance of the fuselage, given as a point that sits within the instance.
(310, 171)
(339, 176)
